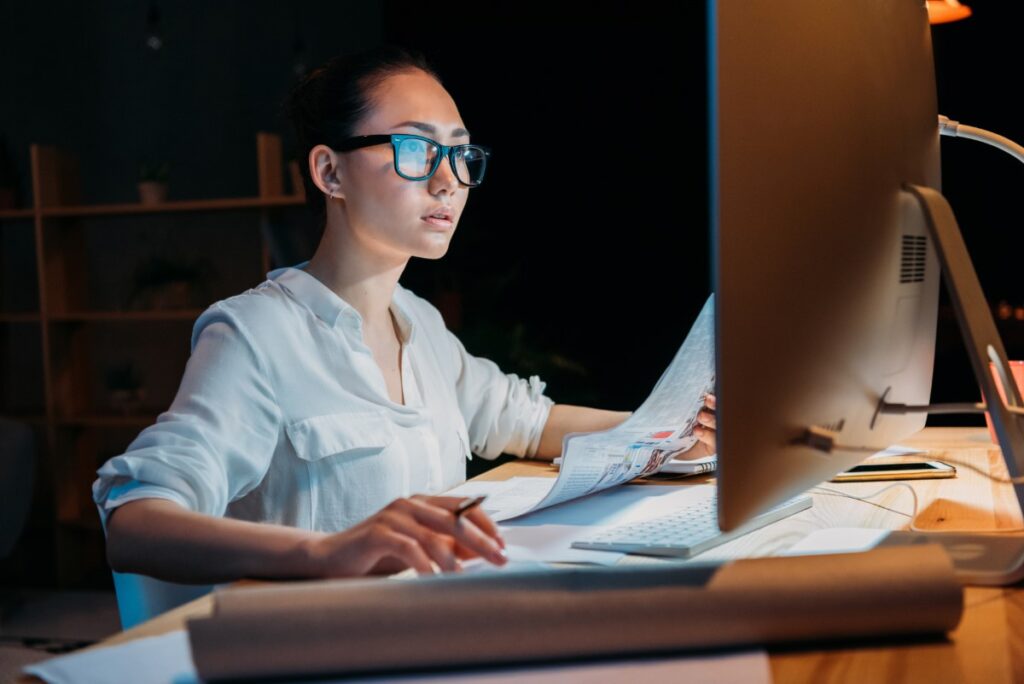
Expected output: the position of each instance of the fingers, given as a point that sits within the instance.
(440, 548)
(707, 423)
(421, 532)
(485, 524)
(476, 514)
(382, 542)
(707, 419)
(467, 530)
(707, 438)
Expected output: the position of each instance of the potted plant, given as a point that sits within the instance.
(153, 183)
(162, 283)
(124, 388)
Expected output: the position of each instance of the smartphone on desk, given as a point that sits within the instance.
(910, 470)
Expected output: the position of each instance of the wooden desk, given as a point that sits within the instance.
(987, 647)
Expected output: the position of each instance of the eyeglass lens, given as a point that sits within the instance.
(416, 158)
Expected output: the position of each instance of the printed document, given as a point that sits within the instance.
(659, 430)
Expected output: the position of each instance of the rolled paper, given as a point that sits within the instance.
(344, 627)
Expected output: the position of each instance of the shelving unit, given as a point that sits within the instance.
(65, 333)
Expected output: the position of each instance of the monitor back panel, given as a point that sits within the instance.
(825, 279)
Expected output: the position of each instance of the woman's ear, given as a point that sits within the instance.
(324, 171)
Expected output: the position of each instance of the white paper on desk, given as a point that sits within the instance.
(749, 667)
(546, 535)
(659, 430)
(167, 659)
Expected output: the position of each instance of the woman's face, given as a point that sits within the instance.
(384, 211)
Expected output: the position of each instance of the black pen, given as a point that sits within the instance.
(467, 504)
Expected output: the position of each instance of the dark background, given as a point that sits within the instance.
(584, 257)
(579, 200)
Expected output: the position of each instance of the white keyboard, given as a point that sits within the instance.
(683, 533)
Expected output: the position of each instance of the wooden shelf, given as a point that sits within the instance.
(77, 425)
(111, 420)
(19, 317)
(175, 206)
(127, 316)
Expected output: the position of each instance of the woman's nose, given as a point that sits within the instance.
(444, 178)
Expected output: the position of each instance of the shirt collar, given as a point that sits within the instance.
(313, 294)
(331, 308)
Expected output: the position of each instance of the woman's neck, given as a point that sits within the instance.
(363, 278)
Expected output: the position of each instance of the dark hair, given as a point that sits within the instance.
(328, 103)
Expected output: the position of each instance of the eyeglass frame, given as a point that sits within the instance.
(360, 141)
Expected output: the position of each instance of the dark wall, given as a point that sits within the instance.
(585, 255)
(588, 246)
(80, 75)
(977, 62)
(605, 251)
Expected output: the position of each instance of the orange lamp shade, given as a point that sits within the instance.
(945, 11)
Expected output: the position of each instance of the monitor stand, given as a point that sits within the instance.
(993, 559)
(981, 338)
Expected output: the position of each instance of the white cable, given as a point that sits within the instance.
(955, 129)
(912, 525)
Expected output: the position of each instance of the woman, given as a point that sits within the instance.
(314, 405)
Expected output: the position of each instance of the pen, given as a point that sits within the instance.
(467, 504)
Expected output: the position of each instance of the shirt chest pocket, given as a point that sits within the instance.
(348, 436)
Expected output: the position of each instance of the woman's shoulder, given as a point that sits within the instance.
(263, 308)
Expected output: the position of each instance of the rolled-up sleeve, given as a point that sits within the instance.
(214, 444)
(504, 413)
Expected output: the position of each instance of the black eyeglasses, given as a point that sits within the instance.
(417, 158)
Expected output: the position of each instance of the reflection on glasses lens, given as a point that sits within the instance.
(416, 159)
(470, 163)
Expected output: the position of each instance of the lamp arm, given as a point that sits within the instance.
(955, 129)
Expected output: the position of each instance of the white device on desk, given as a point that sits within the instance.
(828, 234)
(825, 275)
(828, 231)
(684, 533)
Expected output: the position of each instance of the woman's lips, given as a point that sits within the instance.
(440, 222)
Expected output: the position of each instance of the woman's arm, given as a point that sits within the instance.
(565, 418)
(159, 538)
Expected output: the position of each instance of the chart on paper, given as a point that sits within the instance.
(659, 430)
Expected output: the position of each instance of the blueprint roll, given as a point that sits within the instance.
(345, 627)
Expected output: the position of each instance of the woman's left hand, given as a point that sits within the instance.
(705, 431)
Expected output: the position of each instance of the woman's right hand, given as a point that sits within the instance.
(417, 533)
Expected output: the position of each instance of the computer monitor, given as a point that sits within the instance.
(825, 277)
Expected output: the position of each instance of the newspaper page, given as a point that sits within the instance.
(658, 431)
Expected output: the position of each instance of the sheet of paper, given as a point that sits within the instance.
(656, 432)
(167, 659)
(838, 540)
(732, 668)
(546, 535)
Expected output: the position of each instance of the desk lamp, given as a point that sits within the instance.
(945, 11)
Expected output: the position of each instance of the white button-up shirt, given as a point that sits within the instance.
(283, 414)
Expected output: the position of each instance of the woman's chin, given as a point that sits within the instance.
(433, 255)
(434, 250)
